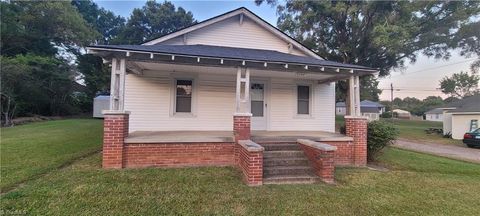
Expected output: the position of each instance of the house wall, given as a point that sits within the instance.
(230, 33)
(149, 98)
(447, 123)
(434, 117)
(461, 124)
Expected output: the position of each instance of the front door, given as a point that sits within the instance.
(258, 105)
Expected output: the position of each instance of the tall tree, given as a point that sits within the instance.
(460, 84)
(382, 34)
(42, 27)
(154, 20)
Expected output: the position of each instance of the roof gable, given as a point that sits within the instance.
(237, 28)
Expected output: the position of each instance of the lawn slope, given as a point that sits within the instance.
(417, 184)
(30, 150)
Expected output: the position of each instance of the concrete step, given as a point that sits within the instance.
(297, 161)
(287, 170)
(288, 179)
(283, 154)
(282, 147)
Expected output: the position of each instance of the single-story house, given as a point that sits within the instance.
(401, 114)
(461, 116)
(434, 115)
(368, 108)
(232, 90)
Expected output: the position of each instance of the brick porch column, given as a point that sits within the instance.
(241, 126)
(356, 127)
(115, 130)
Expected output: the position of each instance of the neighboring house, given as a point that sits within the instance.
(401, 114)
(100, 103)
(369, 109)
(461, 116)
(434, 115)
(221, 93)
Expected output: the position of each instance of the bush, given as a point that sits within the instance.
(380, 134)
(386, 115)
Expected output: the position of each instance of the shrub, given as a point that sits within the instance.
(386, 115)
(380, 134)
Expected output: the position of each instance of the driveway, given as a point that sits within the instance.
(450, 151)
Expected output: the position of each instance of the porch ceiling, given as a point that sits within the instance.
(229, 57)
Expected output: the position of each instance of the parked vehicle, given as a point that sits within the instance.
(472, 139)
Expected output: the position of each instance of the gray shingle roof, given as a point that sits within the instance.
(231, 53)
(468, 104)
(435, 111)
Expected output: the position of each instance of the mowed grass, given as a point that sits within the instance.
(417, 184)
(28, 151)
(414, 130)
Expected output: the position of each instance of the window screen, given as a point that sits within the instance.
(303, 99)
(183, 97)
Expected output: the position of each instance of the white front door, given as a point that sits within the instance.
(258, 105)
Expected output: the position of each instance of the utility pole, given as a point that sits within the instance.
(391, 100)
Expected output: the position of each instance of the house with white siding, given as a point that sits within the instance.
(232, 90)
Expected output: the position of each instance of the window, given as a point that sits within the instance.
(437, 116)
(303, 100)
(183, 96)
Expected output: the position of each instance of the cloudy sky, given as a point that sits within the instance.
(419, 79)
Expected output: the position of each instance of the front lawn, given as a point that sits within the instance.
(414, 130)
(417, 184)
(33, 149)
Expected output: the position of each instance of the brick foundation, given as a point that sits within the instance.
(115, 130)
(178, 154)
(241, 127)
(250, 162)
(322, 158)
(356, 128)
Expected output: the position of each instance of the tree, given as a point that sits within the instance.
(105, 22)
(460, 84)
(152, 21)
(42, 27)
(381, 34)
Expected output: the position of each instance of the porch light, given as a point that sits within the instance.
(173, 58)
(198, 59)
(265, 64)
(151, 55)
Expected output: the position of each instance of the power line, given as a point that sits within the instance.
(431, 68)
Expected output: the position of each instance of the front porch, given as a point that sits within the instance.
(228, 136)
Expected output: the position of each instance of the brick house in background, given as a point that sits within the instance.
(231, 91)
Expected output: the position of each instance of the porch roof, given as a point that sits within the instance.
(229, 56)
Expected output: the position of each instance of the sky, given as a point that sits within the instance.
(420, 79)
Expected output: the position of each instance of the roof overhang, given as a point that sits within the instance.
(337, 73)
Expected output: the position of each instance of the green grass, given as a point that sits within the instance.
(34, 149)
(417, 184)
(414, 130)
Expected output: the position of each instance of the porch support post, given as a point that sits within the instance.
(117, 84)
(354, 96)
(242, 115)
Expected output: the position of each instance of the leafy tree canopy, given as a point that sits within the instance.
(460, 85)
(154, 20)
(42, 27)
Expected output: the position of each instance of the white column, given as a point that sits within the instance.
(357, 96)
(351, 96)
(117, 84)
(242, 100)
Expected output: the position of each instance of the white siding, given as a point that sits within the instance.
(433, 117)
(149, 99)
(461, 124)
(230, 33)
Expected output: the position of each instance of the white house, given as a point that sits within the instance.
(461, 116)
(100, 103)
(368, 108)
(434, 115)
(188, 98)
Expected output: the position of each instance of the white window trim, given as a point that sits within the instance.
(173, 98)
(310, 100)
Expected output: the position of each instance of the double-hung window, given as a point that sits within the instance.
(183, 96)
(303, 100)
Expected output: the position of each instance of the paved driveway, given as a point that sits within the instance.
(450, 151)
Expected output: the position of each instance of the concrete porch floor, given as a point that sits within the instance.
(227, 136)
